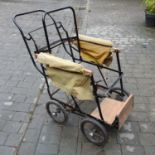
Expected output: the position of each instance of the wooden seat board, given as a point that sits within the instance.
(112, 108)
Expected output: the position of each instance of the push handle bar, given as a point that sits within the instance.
(22, 14)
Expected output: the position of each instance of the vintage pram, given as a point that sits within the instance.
(113, 103)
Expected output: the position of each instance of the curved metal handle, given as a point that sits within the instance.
(22, 14)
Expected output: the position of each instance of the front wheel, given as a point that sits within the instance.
(57, 112)
(94, 131)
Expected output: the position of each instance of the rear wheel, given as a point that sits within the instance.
(57, 112)
(116, 93)
(94, 131)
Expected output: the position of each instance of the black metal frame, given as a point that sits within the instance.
(58, 25)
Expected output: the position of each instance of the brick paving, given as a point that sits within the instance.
(19, 82)
(25, 127)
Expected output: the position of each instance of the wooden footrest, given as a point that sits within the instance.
(112, 109)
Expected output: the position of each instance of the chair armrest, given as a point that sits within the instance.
(116, 50)
(87, 72)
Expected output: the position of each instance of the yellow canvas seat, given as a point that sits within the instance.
(95, 50)
(70, 77)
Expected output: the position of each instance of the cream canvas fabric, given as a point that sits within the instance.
(95, 40)
(67, 75)
(95, 50)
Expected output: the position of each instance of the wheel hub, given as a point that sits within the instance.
(91, 134)
(54, 114)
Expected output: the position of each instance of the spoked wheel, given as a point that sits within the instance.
(94, 131)
(57, 112)
(116, 93)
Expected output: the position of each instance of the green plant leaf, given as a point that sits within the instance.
(150, 6)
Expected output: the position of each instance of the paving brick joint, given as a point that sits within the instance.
(26, 128)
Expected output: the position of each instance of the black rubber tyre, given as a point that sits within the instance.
(57, 112)
(94, 131)
(117, 94)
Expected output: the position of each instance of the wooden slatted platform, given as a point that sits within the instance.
(112, 109)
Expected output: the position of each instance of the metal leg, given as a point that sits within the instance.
(120, 71)
(96, 97)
